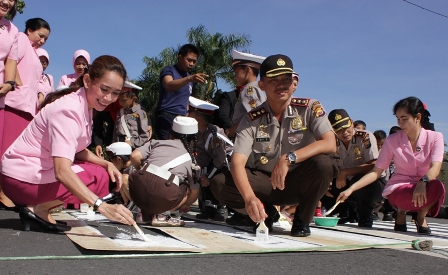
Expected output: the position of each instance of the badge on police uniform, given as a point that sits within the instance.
(357, 152)
(250, 90)
(253, 103)
(317, 109)
(261, 134)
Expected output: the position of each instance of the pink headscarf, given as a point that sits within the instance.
(79, 53)
(41, 52)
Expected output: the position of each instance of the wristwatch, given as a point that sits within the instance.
(12, 83)
(97, 204)
(425, 179)
(291, 157)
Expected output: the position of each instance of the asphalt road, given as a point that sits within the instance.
(43, 253)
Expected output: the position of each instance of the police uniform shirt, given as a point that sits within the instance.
(216, 151)
(137, 122)
(250, 98)
(160, 152)
(361, 149)
(263, 139)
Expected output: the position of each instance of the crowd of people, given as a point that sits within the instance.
(260, 154)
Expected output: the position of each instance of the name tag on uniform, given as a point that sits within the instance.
(261, 139)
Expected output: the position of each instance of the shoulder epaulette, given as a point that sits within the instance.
(257, 113)
(361, 134)
(302, 102)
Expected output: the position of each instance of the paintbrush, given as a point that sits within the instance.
(262, 233)
(140, 232)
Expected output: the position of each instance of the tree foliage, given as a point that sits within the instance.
(215, 60)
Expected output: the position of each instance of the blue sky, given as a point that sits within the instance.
(360, 55)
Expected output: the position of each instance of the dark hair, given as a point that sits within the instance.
(359, 122)
(412, 105)
(34, 24)
(255, 71)
(99, 67)
(394, 129)
(379, 134)
(12, 12)
(187, 48)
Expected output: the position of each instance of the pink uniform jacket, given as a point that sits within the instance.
(409, 166)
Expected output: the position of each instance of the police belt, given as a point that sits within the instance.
(163, 172)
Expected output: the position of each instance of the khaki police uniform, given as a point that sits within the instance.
(361, 149)
(212, 148)
(264, 140)
(136, 121)
(249, 98)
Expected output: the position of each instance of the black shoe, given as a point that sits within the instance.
(26, 216)
(365, 222)
(388, 217)
(221, 214)
(240, 220)
(400, 227)
(203, 216)
(9, 208)
(300, 228)
(345, 220)
(422, 230)
(376, 217)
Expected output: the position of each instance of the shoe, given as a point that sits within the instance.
(318, 212)
(345, 220)
(300, 228)
(375, 217)
(240, 220)
(163, 220)
(422, 229)
(221, 214)
(26, 217)
(366, 222)
(388, 217)
(203, 216)
(9, 208)
(400, 227)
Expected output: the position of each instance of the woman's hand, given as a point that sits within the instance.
(184, 208)
(344, 195)
(419, 195)
(117, 213)
(99, 151)
(114, 175)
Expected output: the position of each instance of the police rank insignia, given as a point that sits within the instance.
(250, 90)
(257, 113)
(264, 160)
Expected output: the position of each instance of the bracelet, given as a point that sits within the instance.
(97, 204)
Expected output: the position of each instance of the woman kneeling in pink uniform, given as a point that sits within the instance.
(49, 165)
(417, 154)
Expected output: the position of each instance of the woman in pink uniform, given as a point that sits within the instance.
(81, 60)
(8, 68)
(46, 83)
(52, 151)
(21, 104)
(417, 154)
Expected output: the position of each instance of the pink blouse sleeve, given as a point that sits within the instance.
(13, 53)
(386, 155)
(64, 131)
(438, 148)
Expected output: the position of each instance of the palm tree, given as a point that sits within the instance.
(215, 57)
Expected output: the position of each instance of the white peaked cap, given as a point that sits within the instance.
(202, 106)
(131, 85)
(240, 58)
(185, 125)
(120, 148)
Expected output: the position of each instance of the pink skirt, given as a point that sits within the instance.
(401, 198)
(22, 193)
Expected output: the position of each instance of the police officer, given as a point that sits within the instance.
(356, 152)
(213, 147)
(246, 67)
(132, 123)
(280, 156)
